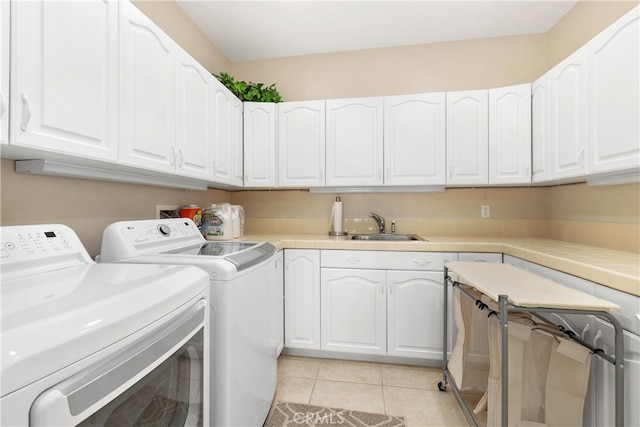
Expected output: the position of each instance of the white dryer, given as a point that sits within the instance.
(245, 351)
(98, 344)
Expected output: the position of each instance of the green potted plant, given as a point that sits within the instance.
(249, 91)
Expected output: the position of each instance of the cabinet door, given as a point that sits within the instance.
(468, 138)
(354, 142)
(541, 128)
(65, 77)
(193, 118)
(353, 311)
(147, 93)
(415, 313)
(301, 144)
(510, 135)
(604, 372)
(613, 85)
(237, 143)
(259, 144)
(414, 139)
(4, 72)
(224, 133)
(302, 298)
(276, 294)
(569, 117)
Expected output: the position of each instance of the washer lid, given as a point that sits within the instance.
(241, 254)
(52, 320)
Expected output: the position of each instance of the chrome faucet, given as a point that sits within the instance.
(379, 220)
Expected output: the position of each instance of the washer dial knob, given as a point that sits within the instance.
(164, 229)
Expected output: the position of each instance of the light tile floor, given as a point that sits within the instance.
(410, 391)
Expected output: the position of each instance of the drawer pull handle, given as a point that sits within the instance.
(353, 260)
(422, 261)
(27, 113)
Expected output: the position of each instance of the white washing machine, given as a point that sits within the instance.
(245, 353)
(98, 344)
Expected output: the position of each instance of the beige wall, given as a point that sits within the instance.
(179, 26)
(603, 216)
(586, 19)
(471, 64)
(86, 206)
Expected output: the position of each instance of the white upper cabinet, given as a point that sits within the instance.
(4, 72)
(193, 113)
(259, 144)
(147, 93)
(468, 138)
(540, 128)
(223, 133)
(510, 135)
(569, 117)
(414, 139)
(64, 71)
(237, 146)
(613, 96)
(354, 142)
(301, 144)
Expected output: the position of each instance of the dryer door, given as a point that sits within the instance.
(158, 381)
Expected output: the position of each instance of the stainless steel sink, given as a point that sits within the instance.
(386, 237)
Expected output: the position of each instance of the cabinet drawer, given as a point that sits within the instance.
(387, 260)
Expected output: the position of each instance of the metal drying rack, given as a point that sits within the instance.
(502, 318)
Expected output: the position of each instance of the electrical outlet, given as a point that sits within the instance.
(485, 211)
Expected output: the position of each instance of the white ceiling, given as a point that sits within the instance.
(262, 29)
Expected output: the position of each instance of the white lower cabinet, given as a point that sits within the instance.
(603, 386)
(276, 294)
(353, 311)
(371, 303)
(599, 407)
(415, 309)
(302, 299)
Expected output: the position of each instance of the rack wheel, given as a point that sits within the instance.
(442, 386)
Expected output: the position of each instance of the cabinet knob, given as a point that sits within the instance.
(353, 260)
(422, 261)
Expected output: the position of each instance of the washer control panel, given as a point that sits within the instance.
(35, 241)
(127, 239)
(161, 230)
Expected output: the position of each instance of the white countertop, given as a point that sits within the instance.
(615, 269)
